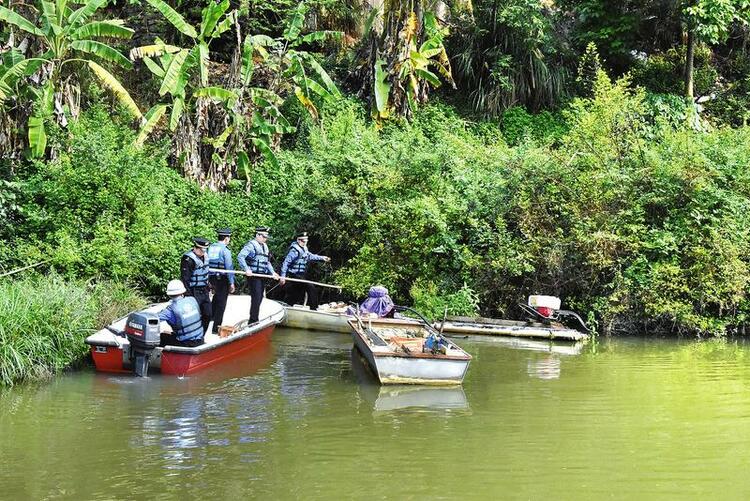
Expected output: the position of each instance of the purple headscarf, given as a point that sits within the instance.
(378, 301)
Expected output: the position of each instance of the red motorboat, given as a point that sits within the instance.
(113, 351)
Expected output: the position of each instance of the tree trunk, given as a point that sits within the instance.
(689, 58)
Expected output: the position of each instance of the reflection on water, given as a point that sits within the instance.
(302, 419)
(544, 368)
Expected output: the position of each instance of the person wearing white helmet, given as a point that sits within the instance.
(184, 317)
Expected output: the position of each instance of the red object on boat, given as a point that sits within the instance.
(544, 311)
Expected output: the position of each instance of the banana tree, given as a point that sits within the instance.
(210, 146)
(401, 56)
(196, 109)
(68, 37)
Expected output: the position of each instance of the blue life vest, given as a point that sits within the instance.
(216, 255)
(259, 262)
(299, 265)
(187, 319)
(199, 278)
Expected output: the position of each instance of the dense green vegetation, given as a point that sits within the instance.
(44, 321)
(464, 158)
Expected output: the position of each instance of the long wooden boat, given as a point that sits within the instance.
(497, 327)
(111, 350)
(328, 318)
(398, 352)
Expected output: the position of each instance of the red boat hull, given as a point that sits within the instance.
(110, 358)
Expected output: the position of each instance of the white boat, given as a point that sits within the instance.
(409, 352)
(330, 317)
(497, 327)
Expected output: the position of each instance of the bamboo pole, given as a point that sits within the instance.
(240, 272)
(18, 270)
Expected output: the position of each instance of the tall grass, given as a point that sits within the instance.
(44, 321)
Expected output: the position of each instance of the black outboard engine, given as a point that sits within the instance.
(142, 330)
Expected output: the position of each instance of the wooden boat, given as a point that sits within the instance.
(496, 327)
(408, 352)
(111, 349)
(328, 317)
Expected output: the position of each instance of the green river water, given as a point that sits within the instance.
(621, 418)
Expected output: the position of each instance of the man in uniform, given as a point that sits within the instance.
(194, 275)
(295, 266)
(183, 315)
(222, 284)
(254, 258)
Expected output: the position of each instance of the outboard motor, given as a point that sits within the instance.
(547, 308)
(142, 330)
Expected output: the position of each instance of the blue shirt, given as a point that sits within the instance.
(167, 314)
(248, 251)
(293, 254)
(226, 256)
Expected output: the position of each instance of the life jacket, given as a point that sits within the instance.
(216, 255)
(299, 265)
(199, 278)
(188, 319)
(259, 262)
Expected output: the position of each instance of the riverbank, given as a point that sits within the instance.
(44, 321)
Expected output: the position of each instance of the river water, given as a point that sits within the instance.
(622, 418)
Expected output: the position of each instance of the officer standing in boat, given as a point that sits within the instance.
(194, 275)
(295, 266)
(222, 284)
(183, 316)
(255, 258)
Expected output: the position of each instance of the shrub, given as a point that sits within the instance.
(663, 72)
(44, 321)
(433, 302)
(519, 125)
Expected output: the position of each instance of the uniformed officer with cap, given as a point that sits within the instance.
(220, 257)
(295, 266)
(255, 258)
(194, 275)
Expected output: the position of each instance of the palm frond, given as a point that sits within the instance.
(102, 50)
(151, 118)
(109, 81)
(19, 21)
(114, 28)
(174, 17)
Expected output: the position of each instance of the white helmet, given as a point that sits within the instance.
(175, 288)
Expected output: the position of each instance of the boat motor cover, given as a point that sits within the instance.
(378, 302)
(142, 329)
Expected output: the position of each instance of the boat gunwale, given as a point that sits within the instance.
(119, 339)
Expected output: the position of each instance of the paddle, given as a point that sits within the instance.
(259, 275)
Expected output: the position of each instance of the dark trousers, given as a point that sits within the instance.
(171, 340)
(256, 286)
(295, 292)
(220, 285)
(204, 303)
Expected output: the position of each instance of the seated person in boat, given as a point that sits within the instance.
(378, 303)
(184, 317)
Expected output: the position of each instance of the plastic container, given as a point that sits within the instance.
(545, 305)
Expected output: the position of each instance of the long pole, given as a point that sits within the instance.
(13, 272)
(259, 275)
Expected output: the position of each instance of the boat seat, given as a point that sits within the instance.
(412, 343)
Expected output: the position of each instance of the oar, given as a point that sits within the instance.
(240, 272)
